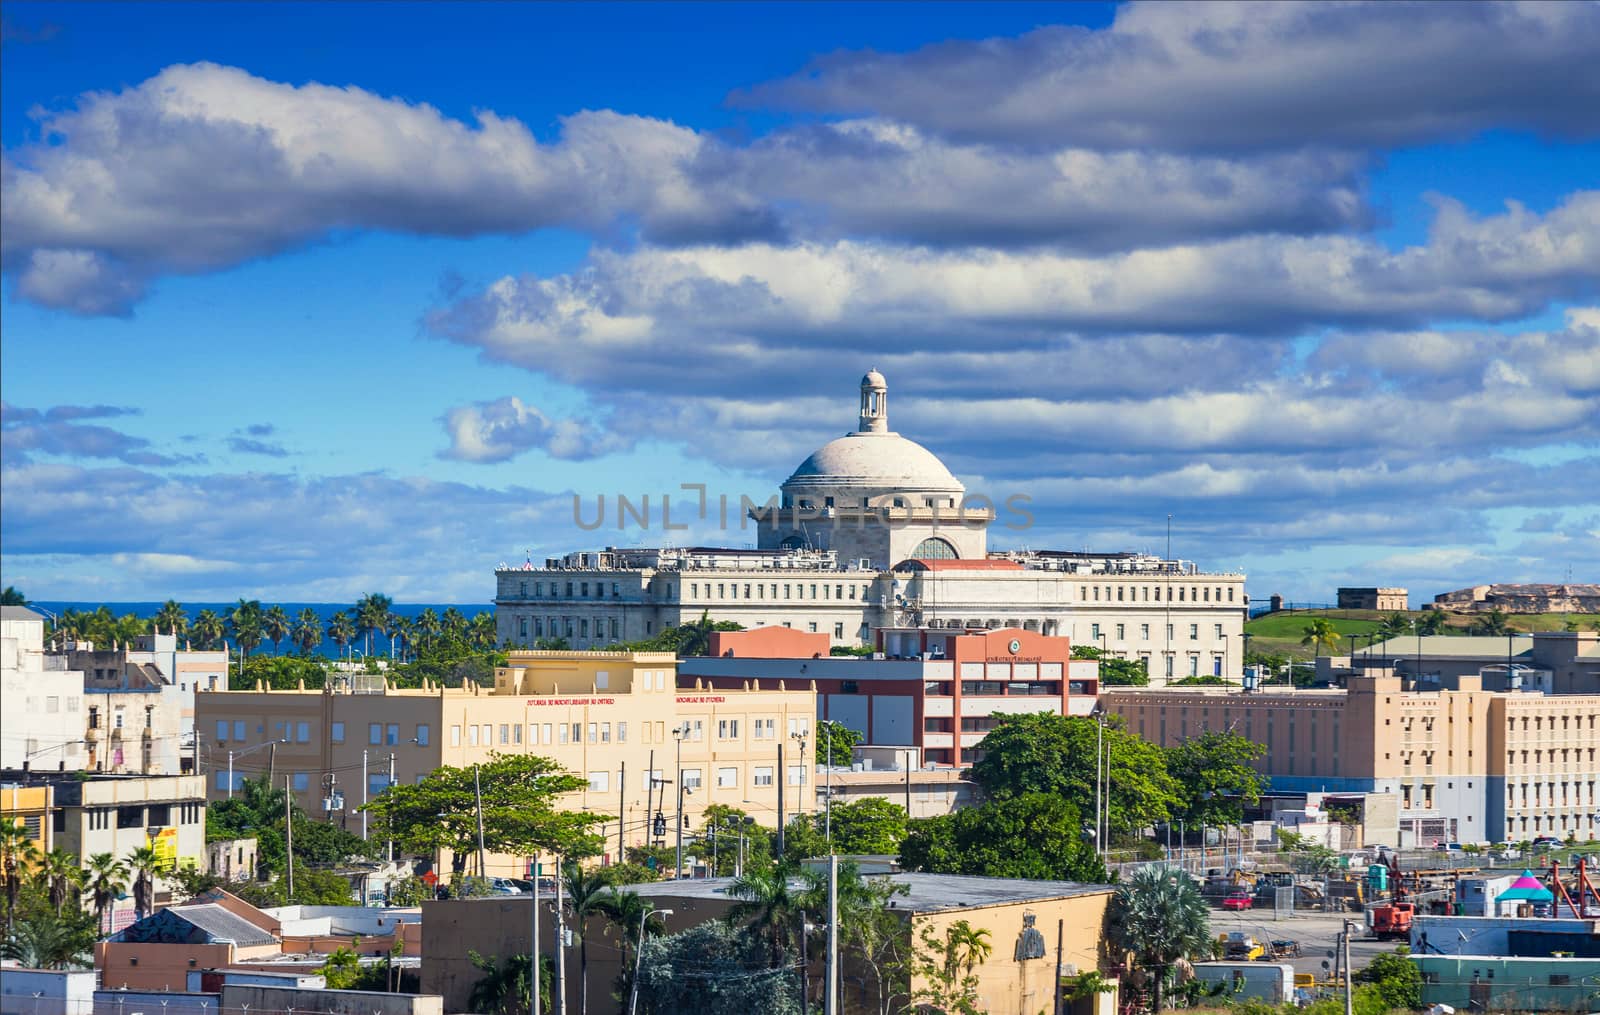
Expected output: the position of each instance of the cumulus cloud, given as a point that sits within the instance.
(249, 440)
(499, 430)
(57, 431)
(1236, 77)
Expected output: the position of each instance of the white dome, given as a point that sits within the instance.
(868, 461)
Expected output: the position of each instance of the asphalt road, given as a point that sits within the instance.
(1317, 933)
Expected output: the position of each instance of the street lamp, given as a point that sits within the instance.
(638, 956)
(800, 738)
(678, 734)
(1098, 714)
(247, 750)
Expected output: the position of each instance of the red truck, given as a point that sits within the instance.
(1391, 920)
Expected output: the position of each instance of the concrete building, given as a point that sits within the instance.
(605, 716)
(32, 806)
(1508, 984)
(1030, 924)
(41, 700)
(116, 814)
(872, 531)
(937, 690)
(1558, 662)
(148, 686)
(1469, 765)
(1385, 599)
(46, 991)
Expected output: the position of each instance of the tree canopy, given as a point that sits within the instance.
(1215, 777)
(520, 816)
(714, 969)
(835, 743)
(1049, 753)
(1034, 835)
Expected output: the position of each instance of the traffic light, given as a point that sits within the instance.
(658, 827)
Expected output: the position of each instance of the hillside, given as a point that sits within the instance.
(1280, 633)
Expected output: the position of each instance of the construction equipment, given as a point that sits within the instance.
(1286, 948)
(1392, 920)
(1237, 946)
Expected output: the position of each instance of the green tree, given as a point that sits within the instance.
(836, 743)
(626, 912)
(105, 877)
(341, 631)
(11, 597)
(504, 987)
(62, 876)
(869, 826)
(208, 630)
(728, 821)
(586, 896)
(714, 969)
(245, 627)
(1216, 777)
(372, 614)
(1432, 622)
(1036, 835)
(47, 940)
(1397, 978)
(1494, 624)
(17, 852)
(428, 629)
(1321, 636)
(144, 863)
(1159, 915)
(275, 625)
(342, 969)
(1049, 753)
(770, 905)
(170, 619)
(520, 792)
(947, 965)
(1394, 625)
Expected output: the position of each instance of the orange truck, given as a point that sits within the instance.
(1391, 920)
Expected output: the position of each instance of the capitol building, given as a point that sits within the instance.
(872, 531)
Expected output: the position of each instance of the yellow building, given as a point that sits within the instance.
(31, 806)
(1468, 765)
(608, 717)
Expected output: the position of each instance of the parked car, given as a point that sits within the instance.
(1546, 842)
(503, 886)
(1238, 900)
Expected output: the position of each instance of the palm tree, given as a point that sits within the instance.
(405, 631)
(307, 631)
(170, 619)
(1159, 915)
(275, 625)
(372, 614)
(1431, 622)
(341, 631)
(11, 597)
(503, 989)
(481, 631)
(17, 851)
(61, 875)
(626, 911)
(1321, 636)
(49, 942)
(1394, 624)
(586, 897)
(1494, 624)
(208, 629)
(428, 627)
(244, 624)
(144, 863)
(105, 877)
(966, 947)
(769, 903)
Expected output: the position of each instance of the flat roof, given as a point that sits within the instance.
(929, 893)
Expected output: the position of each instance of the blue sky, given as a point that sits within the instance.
(303, 301)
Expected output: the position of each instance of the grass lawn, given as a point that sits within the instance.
(1280, 633)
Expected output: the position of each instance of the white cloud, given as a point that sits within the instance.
(499, 430)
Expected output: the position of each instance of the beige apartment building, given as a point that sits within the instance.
(608, 717)
(1468, 765)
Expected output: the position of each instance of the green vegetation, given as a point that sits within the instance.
(1396, 978)
(1216, 777)
(1034, 835)
(1159, 915)
(866, 827)
(837, 738)
(1281, 633)
(691, 639)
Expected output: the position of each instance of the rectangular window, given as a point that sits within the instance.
(505, 733)
(302, 733)
(727, 777)
(455, 736)
(1121, 629)
(599, 782)
(1219, 630)
(1194, 632)
(516, 733)
(547, 732)
(424, 734)
(377, 782)
(1094, 631)
(797, 775)
(762, 776)
(375, 733)
(1144, 632)
(594, 733)
(222, 738)
(691, 778)
(488, 734)
(472, 735)
(336, 733)
(605, 733)
(391, 734)
(302, 782)
(622, 732)
(577, 732)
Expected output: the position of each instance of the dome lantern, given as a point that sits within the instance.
(874, 403)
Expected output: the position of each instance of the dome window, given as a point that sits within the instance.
(934, 548)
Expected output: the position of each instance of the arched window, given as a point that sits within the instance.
(793, 543)
(934, 548)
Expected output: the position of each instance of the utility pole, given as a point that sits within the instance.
(831, 1006)
(477, 796)
(827, 803)
(366, 783)
(622, 811)
(1061, 941)
(783, 777)
(534, 1000)
(288, 832)
(561, 945)
(679, 733)
(1345, 948)
(389, 848)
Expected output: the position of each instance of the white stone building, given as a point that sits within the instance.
(41, 701)
(873, 531)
